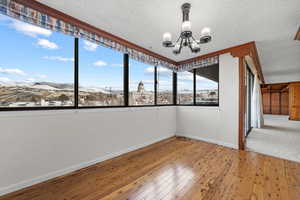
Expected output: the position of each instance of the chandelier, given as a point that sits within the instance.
(186, 38)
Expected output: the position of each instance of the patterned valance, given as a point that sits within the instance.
(29, 15)
(199, 63)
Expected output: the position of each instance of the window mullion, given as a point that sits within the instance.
(155, 85)
(194, 86)
(174, 88)
(76, 73)
(126, 79)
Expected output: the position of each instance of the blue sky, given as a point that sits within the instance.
(29, 54)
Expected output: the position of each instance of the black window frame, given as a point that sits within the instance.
(195, 91)
(125, 80)
(126, 68)
(174, 88)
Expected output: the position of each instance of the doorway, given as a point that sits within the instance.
(249, 92)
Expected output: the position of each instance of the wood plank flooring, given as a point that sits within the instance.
(176, 168)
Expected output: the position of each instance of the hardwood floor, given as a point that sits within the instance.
(176, 168)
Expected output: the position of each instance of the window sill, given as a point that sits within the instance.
(197, 107)
(68, 111)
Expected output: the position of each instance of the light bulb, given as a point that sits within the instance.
(205, 31)
(167, 37)
(186, 26)
(205, 35)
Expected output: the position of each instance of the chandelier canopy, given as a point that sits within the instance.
(186, 38)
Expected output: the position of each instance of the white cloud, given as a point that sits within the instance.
(206, 84)
(41, 76)
(90, 46)
(30, 80)
(100, 63)
(185, 76)
(29, 29)
(4, 79)
(146, 82)
(12, 71)
(47, 44)
(4, 18)
(59, 58)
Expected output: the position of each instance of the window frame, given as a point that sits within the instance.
(154, 87)
(77, 67)
(156, 82)
(126, 68)
(195, 92)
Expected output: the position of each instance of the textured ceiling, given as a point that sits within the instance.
(280, 60)
(233, 22)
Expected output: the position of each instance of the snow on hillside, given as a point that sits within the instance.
(51, 86)
(93, 89)
(43, 87)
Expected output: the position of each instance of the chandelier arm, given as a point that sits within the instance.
(203, 41)
(178, 38)
(171, 45)
(190, 46)
(180, 45)
(194, 39)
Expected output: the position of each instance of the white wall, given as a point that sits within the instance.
(38, 145)
(217, 125)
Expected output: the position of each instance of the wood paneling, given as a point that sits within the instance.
(284, 103)
(275, 99)
(266, 103)
(294, 100)
(275, 103)
(176, 168)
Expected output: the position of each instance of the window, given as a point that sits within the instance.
(207, 85)
(141, 83)
(164, 86)
(36, 66)
(100, 75)
(185, 88)
(45, 78)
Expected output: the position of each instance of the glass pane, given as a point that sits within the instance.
(36, 66)
(164, 86)
(141, 83)
(100, 75)
(207, 85)
(185, 87)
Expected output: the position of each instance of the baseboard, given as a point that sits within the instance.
(40, 179)
(225, 144)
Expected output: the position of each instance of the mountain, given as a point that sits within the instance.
(93, 90)
(53, 86)
(38, 85)
(62, 86)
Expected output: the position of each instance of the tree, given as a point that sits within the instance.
(63, 98)
(212, 93)
(35, 99)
